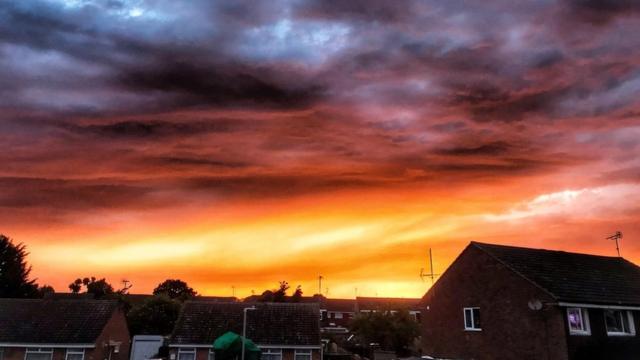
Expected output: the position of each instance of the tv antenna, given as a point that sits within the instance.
(431, 274)
(126, 285)
(617, 236)
(320, 284)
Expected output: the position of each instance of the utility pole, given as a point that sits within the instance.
(320, 284)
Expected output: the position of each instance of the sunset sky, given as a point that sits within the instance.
(245, 142)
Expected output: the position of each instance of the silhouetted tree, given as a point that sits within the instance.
(156, 315)
(14, 271)
(280, 295)
(297, 295)
(175, 289)
(98, 287)
(391, 331)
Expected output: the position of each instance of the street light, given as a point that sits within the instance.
(244, 327)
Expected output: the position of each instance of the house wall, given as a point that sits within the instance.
(115, 330)
(329, 318)
(203, 354)
(510, 330)
(599, 345)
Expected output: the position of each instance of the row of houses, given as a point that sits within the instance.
(493, 302)
(71, 327)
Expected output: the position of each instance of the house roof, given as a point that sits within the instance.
(53, 321)
(293, 324)
(572, 277)
(341, 305)
(381, 303)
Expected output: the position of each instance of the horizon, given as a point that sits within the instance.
(242, 144)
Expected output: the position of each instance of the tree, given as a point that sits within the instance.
(44, 290)
(175, 289)
(280, 295)
(14, 270)
(156, 315)
(394, 331)
(100, 288)
(297, 295)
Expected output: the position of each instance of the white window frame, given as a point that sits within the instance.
(74, 352)
(584, 317)
(186, 351)
(473, 321)
(39, 351)
(337, 315)
(272, 352)
(212, 354)
(632, 327)
(303, 352)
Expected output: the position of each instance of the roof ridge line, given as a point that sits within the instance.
(548, 250)
(478, 246)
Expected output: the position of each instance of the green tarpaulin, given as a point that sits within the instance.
(229, 347)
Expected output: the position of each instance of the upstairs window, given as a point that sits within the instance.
(619, 322)
(212, 354)
(578, 320)
(38, 354)
(75, 354)
(472, 319)
(338, 315)
(302, 354)
(271, 354)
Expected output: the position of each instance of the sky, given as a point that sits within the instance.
(236, 144)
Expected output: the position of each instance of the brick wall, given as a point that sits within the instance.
(115, 330)
(510, 330)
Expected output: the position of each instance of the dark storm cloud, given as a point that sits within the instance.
(600, 12)
(492, 148)
(489, 103)
(133, 129)
(221, 85)
(358, 10)
(288, 98)
(68, 195)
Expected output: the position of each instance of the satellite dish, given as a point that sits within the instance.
(535, 304)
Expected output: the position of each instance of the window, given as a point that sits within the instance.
(302, 354)
(472, 319)
(338, 315)
(186, 354)
(578, 320)
(619, 322)
(38, 354)
(75, 354)
(212, 354)
(271, 354)
(1, 353)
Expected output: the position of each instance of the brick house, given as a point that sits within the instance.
(283, 331)
(336, 314)
(373, 304)
(62, 329)
(504, 302)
